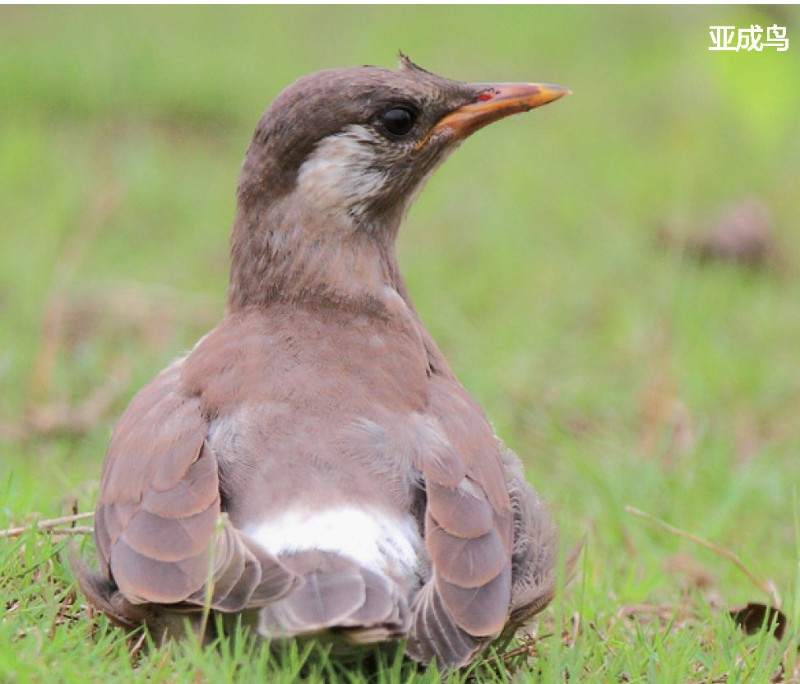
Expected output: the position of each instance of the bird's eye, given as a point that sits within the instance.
(398, 120)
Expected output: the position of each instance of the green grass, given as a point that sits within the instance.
(623, 373)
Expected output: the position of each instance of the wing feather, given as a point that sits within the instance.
(468, 530)
(160, 532)
(466, 562)
(462, 510)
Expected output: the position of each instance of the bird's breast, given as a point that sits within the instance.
(312, 361)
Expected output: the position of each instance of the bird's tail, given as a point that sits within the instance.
(340, 598)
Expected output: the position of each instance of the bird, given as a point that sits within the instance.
(312, 467)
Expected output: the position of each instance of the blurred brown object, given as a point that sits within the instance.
(753, 617)
(740, 233)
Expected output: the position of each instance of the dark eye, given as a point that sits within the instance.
(398, 120)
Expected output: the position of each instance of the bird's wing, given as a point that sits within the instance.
(468, 531)
(159, 530)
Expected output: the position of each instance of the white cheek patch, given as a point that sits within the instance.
(374, 539)
(340, 173)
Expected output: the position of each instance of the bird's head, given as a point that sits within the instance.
(363, 140)
(344, 152)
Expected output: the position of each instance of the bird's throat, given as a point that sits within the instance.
(286, 255)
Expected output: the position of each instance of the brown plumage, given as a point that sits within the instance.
(313, 464)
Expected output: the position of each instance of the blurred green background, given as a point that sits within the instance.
(623, 370)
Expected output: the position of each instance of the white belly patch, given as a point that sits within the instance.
(374, 539)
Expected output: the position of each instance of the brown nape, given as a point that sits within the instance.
(313, 468)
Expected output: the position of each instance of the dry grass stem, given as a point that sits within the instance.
(98, 214)
(136, 648)
(51, 525)
(763, 586)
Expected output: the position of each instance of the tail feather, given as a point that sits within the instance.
(337, 594)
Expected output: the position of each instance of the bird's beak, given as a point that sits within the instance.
(494, 101)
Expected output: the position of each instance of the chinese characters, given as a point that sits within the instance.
(748, 39)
